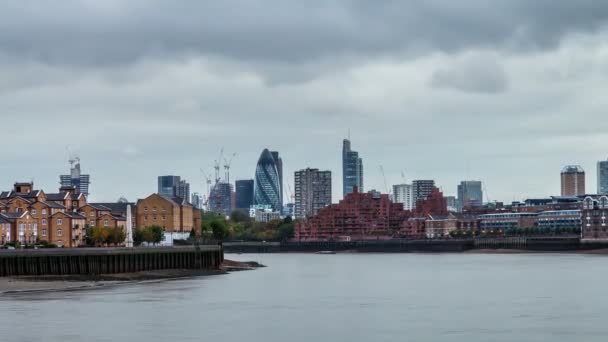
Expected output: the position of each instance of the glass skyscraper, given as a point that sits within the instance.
(267, 188)
(470, 194)
(602, 177)
(76, 179)
(244, 193)
(352, 169)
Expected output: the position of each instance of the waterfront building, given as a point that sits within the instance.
(559, 219)
(402, 193)
(352, 169)
(434, 203)
(421, 189)
(175, 215)
(507, 221)
(220, 199)
(602, 177)
(594, 214)
(267, 188)
(312, 191)
(470, 195)
(243, 194)
(76, 178)
(440, 226)
(573, 180)
(359, 216)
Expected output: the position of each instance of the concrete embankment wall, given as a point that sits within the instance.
(546, 244)
(95, 261)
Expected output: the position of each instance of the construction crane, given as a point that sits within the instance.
(227, 164)
(385, 183)
(208, 181)
(216, 166)
(290, 194)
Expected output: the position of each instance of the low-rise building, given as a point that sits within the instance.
(594, 213)
(439, 226)
(507, 221)
(559, 219)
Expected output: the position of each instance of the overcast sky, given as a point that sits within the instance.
(504, 91)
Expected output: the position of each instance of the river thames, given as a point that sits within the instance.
(343, 297)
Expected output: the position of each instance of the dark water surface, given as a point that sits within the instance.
(349, 297)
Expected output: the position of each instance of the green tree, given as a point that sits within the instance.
(238, 216)
(157, 234)
(219, 229)
(116, 236)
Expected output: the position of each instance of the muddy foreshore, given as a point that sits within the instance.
(29, 284)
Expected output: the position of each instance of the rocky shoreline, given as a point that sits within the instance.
(30, 284)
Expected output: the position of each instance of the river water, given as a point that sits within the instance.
(344, 297)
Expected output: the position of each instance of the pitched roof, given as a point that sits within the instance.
(12, 194)
(4, 220)
(56, 197)
(116, 207)
(100, 207)
(13, 215)
(54, 205)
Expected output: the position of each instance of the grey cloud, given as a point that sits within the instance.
(479, 73)
(119, 32)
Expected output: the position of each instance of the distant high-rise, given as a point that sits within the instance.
(173, 186)
(267, 188)
(573, 180)
(312, 191)
(244, 194)
(402, 193)
(197, 200)
(220, 199)
(602, 177)
(352, 169)
(76, 179)
(167, 185)
(421, 189)
(279, 163)
(470, 194)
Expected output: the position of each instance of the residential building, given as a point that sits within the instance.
(359, 216)
(573, 180)
(506, 221)
(352, 169)
(266, 215)
(243, 194)
(402, 193)
(470, 195)
(433, 204)
(267, 187)
(174, 214)
(559, 219)
(312, 191)
(602, 177)
(76, 178)
(440, 226)
(220, 199)
(183, 190)
(594, 213)
(421, 189)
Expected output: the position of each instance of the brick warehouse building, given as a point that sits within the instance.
(28, 215)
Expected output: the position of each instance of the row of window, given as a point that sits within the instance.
(163, 217)
(154, 209)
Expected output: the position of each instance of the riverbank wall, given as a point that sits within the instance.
(536, 244)
(96, 261)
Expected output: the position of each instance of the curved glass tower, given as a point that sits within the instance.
(267, 188)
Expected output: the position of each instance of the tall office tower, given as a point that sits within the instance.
(183, 190)
(402, 193)
(421, 189)
(470, 195)
(452, 203)
(244, 194)
(279, 163)
(352, 169)
(267, 189)
(602, 177)
(573, 180)
(197, 200)
(220, 199)
(167, 185)
(76, 178)
(312, 191)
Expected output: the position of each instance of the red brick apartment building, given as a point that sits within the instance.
(365, 216)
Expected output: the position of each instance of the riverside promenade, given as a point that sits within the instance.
(96, 261)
